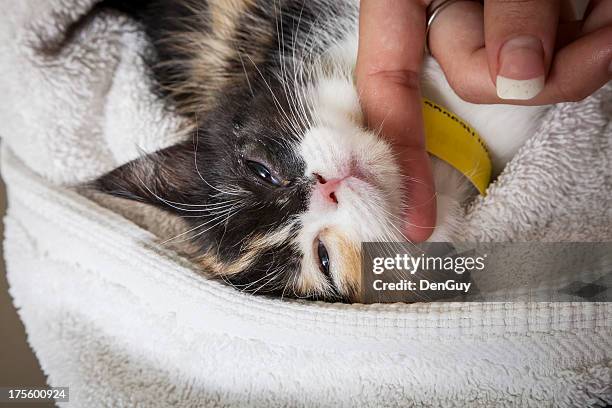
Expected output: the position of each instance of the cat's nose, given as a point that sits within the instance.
(326, 188)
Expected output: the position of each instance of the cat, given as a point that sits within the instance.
(279, 181)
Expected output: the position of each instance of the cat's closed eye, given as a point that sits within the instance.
(261, 171)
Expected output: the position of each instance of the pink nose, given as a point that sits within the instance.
(327, 188)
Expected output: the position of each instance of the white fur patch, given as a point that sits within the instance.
(369, 197)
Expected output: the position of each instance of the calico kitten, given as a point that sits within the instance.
(280, 182)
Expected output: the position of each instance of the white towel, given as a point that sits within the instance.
(125, 322)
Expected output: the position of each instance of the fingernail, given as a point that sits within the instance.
(521, 68)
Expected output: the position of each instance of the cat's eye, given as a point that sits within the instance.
(323, 258)
(263, 172)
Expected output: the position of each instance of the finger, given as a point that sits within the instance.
(599, 16)
(520, 41)
(580, 68)
(391, 39)
(456, 41)
(577, 21)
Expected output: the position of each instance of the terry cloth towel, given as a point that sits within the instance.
(125, 322)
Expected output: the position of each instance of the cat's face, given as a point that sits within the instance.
(279, 189)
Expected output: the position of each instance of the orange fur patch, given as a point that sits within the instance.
(348, 274)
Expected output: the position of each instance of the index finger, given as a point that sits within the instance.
(391, 43)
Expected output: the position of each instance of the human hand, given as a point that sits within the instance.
(530, 58)
(523, 52)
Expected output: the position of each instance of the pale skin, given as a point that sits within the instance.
(475, 45)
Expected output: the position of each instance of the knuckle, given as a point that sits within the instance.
(405, 78)
(463, 90)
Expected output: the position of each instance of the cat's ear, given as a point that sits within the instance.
(162, 178)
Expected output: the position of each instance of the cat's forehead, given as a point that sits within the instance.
(280, 114)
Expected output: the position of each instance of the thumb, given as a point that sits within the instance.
(520, 39)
